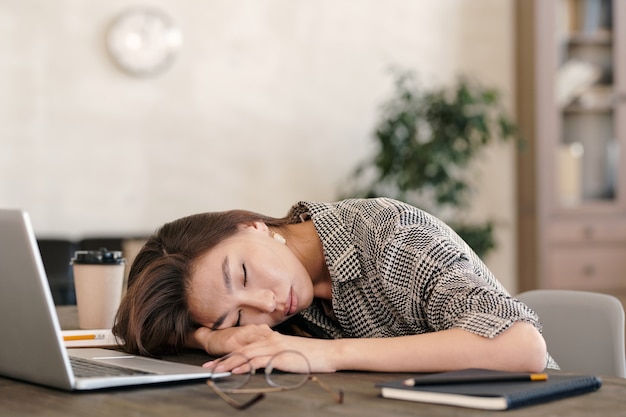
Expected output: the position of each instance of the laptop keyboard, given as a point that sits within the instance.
(85, 368)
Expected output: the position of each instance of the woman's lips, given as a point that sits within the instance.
(292, 303)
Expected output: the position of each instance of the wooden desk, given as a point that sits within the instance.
(195, 399)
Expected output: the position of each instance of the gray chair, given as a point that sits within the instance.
(584, 331)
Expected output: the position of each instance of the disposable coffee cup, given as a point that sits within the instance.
(98, 281)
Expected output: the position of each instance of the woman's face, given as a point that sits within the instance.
(249, 278)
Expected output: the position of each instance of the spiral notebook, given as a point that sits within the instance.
(488, 390)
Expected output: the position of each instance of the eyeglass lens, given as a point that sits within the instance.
(290, 380)
(274, 376)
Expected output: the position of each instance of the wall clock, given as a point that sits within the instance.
(143, 41)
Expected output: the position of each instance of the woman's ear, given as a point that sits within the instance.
(258, 225)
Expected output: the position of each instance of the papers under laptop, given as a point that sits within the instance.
(31, 342)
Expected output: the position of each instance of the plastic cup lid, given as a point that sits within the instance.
(96, 257)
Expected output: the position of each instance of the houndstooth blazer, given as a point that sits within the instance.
(397, 270)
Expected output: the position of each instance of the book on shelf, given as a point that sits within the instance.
(588, 17)
(592, 16)
(488, 390)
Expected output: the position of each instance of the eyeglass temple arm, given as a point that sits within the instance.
(236, 404)
(337, 395)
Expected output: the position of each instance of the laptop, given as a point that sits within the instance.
(31, 341)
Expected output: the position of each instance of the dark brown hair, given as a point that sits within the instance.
(153, 318)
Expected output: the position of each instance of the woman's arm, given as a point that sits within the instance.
(224, 341)
(520, 348)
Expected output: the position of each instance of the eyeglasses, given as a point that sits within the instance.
(277, 380)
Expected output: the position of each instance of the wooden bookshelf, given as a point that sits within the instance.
(572, 175)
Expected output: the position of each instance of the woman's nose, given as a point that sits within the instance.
(262, 300)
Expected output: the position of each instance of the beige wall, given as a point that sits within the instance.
(269, 102)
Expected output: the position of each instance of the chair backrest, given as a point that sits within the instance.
(56, 255)
(584, 331)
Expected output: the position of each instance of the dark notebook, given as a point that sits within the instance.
(480, 390)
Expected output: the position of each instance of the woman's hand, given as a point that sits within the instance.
(223, 341)
(317, 351)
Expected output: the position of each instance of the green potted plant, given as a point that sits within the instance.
(425, 141)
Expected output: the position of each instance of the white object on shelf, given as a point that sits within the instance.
(573, 78)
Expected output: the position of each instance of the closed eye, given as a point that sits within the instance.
(245, 282)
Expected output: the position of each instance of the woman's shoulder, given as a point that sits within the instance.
(381, 211)
(362, 206)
